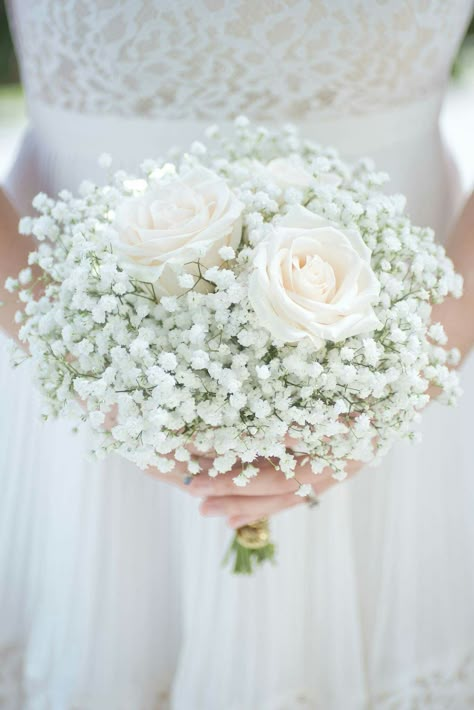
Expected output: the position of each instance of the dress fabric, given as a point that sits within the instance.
(112, 594)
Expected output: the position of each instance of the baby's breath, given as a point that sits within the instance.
(199, 368)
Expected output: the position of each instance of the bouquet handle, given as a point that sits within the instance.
(251, 546)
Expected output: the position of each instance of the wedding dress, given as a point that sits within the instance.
(112, 594)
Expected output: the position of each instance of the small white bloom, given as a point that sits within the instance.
(11, 285)
(197, 333)
(199, 359)
(25, 225)
(169, 303)
(168, 361)
(40, 201)
(242, 122)
(241, 480)
(438, 334)
(212, 131)
(454, 357)
(263, 372)
(238, 400)
(347, 354)
(371, 351)
(105, 160)
(197, 148)
(186, 281)
(398, 335)
(261, 408)
(227, 253)
(304, 490)
(139, 348)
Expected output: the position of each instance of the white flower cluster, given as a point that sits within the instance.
(332, 358)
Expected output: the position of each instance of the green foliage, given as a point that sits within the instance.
(245, 561)
(464, 62)
(8, 65)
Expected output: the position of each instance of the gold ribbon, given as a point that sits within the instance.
(254, 536)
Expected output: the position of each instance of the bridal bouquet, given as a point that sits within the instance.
(257, 297)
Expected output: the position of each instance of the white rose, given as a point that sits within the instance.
(312, 279)
(291, 172)
(172, 224)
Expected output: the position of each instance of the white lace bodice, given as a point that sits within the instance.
(195, 59)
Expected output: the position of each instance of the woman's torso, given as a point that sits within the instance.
(133, 77)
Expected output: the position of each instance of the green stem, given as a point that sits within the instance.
(245, 560)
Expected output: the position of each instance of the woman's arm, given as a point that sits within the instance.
(14, 250)
(457, 315)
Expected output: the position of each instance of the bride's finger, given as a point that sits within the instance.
(245, 509)
(241, 510)
(251, 509)
(267, 482)
(179, 476)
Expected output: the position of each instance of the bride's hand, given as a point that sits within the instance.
(14, 250)
(266, 494)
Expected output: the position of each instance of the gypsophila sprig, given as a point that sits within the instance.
(251, 292)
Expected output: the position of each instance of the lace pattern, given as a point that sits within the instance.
(195, 59)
